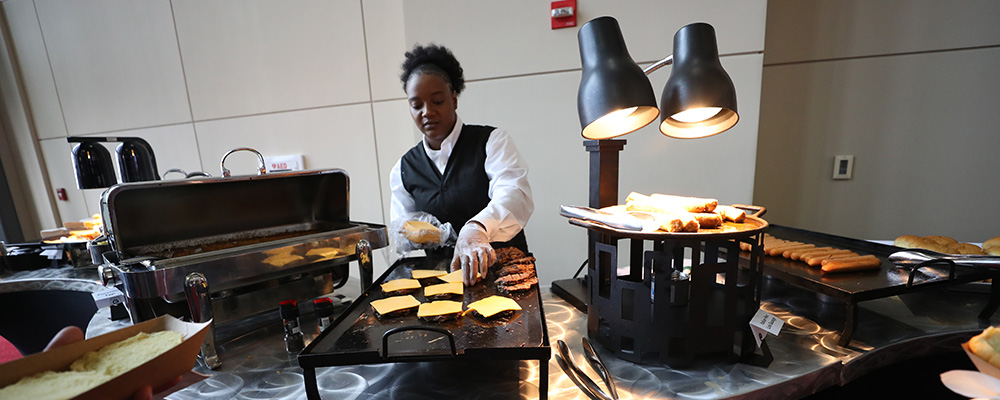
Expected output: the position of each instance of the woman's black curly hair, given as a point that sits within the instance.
(435, 60)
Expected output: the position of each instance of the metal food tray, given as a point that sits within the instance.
(358, 337)
(889, 280)
(750, 225)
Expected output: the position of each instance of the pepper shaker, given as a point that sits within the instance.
(324, 312)
(289, 312)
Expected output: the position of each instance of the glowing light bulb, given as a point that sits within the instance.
(696, 114)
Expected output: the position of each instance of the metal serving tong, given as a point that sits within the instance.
(598, 365)
(916, 256)
(580, 378)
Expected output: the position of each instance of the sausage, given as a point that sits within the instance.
(817, 260)
(862, 263)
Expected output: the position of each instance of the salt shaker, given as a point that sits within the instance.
(289, 311)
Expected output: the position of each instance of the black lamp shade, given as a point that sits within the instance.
(136, 161)
(697, 80)
(615, 97)
(93, 166)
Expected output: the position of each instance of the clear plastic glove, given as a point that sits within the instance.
(473, 253)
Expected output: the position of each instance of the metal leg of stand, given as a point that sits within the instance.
(851, 318)
(994, 302)
(200, 306)
(543, 379)
(312, 389)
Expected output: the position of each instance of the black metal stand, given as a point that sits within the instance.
(603, 193)
(656, 313)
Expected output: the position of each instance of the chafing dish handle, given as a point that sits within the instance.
(364, 251)
(260, 161)
(200, 305)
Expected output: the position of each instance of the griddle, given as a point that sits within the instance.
(358, 337)
(889, 280)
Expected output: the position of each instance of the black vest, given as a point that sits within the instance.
(463, 190)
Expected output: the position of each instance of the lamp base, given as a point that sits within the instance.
(573, 290)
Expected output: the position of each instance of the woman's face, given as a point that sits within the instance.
(432, 106)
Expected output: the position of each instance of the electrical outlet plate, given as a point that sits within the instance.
(843, 167)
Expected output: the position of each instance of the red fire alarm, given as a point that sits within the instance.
(563, 14)
(61, 194)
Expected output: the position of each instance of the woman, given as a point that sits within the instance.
(468, 175)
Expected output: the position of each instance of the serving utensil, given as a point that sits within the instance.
(598, 365)
(916, 256)
(587, 385)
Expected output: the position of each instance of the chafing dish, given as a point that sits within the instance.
(231, 248)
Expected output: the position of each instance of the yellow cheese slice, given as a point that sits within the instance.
(440, 307)
(281, 260)
(400, 284)
(455, 276)
(325, 253)
(279, 251)
(494, 304)
(394, 303)
(427, 273)
(450, 287)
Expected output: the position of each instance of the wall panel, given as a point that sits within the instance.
(925, 147)
(334, 137)
(818, 30)
(116, 64)
(243, 58)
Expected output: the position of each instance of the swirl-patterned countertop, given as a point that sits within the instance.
(807, 358)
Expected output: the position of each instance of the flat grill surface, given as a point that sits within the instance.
(357, 335)
(887, 280)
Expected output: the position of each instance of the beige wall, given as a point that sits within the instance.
(910, 88)
(320, 78)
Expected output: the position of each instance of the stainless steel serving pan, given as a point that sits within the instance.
(235, 231)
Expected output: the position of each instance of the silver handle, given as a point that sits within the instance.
(364, 251)
(598, 365)
(260, 161)
(583, 381)
(200, 305)
(916, 256)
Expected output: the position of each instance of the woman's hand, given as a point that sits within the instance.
(473, 253)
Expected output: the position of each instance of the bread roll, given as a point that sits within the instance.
(993, 242)
(421, 232)
(708, 220)
(679, 222)
(690, 204)
(942, 240)
(118, 358)
(94, 368)
(986, 345)
(730, 213)
(993, 251)
(917, 242)
(908, 241)
(965, 249)
(54, 385)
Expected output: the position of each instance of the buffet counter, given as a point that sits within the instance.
(807, 357)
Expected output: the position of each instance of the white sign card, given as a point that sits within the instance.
(763, 323)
